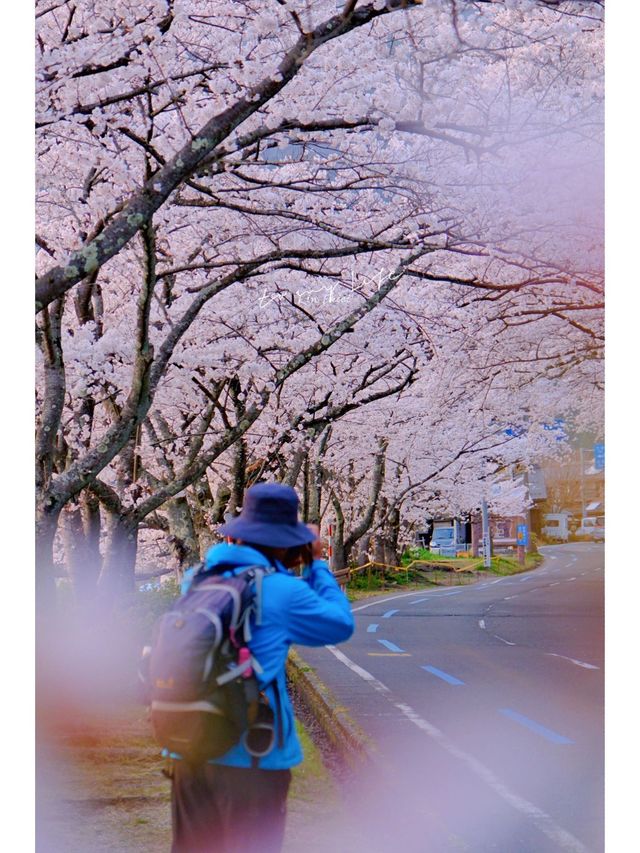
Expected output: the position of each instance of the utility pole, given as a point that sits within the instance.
(486, 535)
(582, 482)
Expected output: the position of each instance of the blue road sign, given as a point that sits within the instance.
(522, 534)
(598, 456)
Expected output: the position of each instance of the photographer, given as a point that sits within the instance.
(237, 803)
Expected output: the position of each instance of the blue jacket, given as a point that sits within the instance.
(311, 611)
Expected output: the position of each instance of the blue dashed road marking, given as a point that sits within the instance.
(450, 679)
(391, 646)
(372, 629)
(554, 737)
(388, 614)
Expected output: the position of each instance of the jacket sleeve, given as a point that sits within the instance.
(318, 611)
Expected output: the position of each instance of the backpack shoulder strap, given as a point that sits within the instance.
(257, 576)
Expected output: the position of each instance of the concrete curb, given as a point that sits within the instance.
(351, 743)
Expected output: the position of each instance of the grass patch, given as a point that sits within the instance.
(503, 565)
(378, 580)
(374, 581)
(423, 554)
(311, 776)
(100, 788)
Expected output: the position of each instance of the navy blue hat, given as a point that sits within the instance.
(269, 517)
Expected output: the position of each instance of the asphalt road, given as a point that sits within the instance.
(486, 703)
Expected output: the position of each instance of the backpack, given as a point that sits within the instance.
(202, 686)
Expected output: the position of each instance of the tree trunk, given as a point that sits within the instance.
(291, 476)
(363, 550)
(378, 549)
(306, 474)
(81, 538)
(91, 523)
(118, 568)
(46, 526)
(366, 521)
(339, 559)
(314, 493)
(392, 534)
(183, 539)
(220, 504)
(201, 502)
(238, 473)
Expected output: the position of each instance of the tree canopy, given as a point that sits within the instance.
(353, 246)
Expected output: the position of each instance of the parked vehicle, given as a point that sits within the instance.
(442, 541)
(591, 527)
(556, 526)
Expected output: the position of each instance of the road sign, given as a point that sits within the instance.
(598, 456)
(522, 535)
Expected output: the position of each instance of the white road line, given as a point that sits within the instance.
(481, 623)
(384, 600)
(541, 819)
(502, 640)
(556, 583)
(572, 579)
(573, 660)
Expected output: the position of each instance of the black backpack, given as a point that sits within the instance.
(202, 686)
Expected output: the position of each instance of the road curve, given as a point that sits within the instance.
(486, 703)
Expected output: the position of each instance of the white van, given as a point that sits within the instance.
(556, 526)
(591, 527)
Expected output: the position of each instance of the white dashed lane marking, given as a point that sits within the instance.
(544, 822)
(502, 640)
(580, 663)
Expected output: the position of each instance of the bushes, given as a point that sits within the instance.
(415, 553)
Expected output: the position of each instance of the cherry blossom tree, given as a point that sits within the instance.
(257, 222)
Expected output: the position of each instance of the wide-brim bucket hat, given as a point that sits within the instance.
(269, 517)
